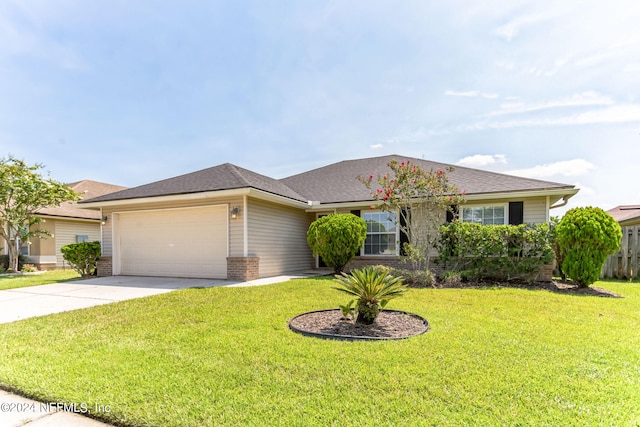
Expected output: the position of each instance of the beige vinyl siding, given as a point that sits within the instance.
(45, 246)
(535, 210)
(278, 236)
(66, 232)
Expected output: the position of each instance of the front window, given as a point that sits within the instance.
(485, 215)
(381, 233)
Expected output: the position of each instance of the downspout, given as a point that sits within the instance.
(565, 200)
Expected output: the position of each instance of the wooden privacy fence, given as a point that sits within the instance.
(624, 264)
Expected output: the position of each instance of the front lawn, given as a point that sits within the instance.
(21, 281)
(224, 356)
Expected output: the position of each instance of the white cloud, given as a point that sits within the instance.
(575, 167)
(480, 160)
(582, 99)
(376, 146)
(471, 94)
(511, 29)
(628, 113)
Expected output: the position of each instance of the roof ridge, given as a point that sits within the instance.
(236, 172)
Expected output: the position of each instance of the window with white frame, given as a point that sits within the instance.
(485, 215)
(382, 233)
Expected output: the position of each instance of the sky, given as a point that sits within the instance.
(131, 92)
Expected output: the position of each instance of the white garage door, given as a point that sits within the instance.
(174, 242)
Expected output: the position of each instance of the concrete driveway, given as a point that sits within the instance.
(22, 303)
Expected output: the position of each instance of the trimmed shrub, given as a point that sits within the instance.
(415, 278)
(83, 257)
(451, 278)
(495, 251)
(586, 236)
(337, 238)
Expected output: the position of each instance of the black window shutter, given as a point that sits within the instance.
(356, 212)
(516, 213)
(452, 213)
(404, 215)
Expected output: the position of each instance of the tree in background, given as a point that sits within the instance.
(337, 238)
(586, 237)
(419, 198)
(23, 191)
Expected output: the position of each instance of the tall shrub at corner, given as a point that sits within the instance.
(586, 237)
(337, 238)
(83, 257)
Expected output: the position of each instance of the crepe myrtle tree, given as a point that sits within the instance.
(23, 191)
(418, 198)
(337, 238)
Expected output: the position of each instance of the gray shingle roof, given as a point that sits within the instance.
(222, 177)
(338, 182)
(335, 183)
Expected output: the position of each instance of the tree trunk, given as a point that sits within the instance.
(13, 257)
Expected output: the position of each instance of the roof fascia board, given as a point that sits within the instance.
(169, 198)
(560, 193)
(246, 191)
(265, 195)
(68, 218)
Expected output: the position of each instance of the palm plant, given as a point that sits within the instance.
(373, 289)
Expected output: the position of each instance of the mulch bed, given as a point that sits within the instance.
(567, 288)
(389, 324)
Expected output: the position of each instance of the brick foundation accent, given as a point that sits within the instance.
(546, 272)
(105, 266)
(243, 268)
(389, 261)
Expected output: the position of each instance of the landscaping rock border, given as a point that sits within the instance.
(331, 324)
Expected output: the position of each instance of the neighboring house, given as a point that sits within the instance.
(67, 224)
(626, 215)
(229, 222)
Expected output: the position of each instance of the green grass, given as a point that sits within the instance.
(11, 282)
(224, 356)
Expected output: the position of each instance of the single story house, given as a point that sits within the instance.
(626, 215)
(230, 222)
(67, 224)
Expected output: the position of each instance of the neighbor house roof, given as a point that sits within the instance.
(626, 214)
(88, 189)
(335, 183)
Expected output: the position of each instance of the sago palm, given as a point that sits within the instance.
(373, 289)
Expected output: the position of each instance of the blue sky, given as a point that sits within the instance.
(132, 92)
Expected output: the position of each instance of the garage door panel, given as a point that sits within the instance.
(176, 242)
